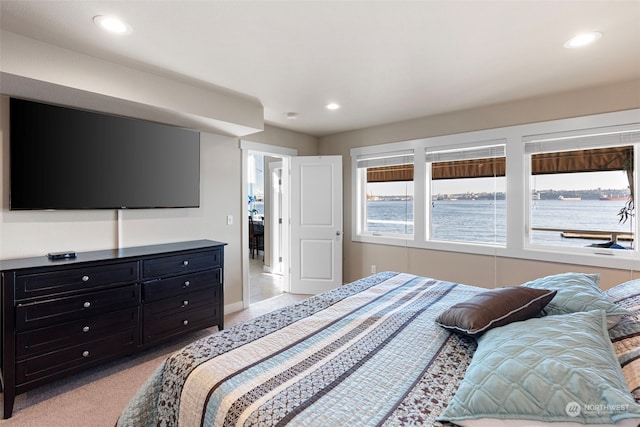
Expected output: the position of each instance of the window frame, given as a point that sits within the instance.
(583, 139)
(493, 149)
(517, 185)
(360, 203)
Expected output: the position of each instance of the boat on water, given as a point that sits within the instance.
(618, 198)
(570, 199)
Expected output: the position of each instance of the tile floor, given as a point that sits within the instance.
(262, 307)
(262, 285)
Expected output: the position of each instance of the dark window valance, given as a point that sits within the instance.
(593, 160)
(476, 168)
(390, 173)
(601, 159)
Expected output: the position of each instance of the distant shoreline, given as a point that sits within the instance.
(574, 195)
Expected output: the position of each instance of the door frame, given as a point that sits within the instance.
(272, 151)
(277, 201)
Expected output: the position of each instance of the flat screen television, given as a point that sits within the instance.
(67, 158)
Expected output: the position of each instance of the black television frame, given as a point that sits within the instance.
(64, 158)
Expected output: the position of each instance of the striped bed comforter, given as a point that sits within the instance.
(625, 336)
(367, 353)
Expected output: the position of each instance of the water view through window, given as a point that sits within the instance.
(577, 211)
(483, 221)
(480, 216)
(583, 215)
(469, 220)
(390, 207)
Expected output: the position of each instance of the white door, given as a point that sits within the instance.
(316, 224)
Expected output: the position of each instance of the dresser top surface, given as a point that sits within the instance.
(108, 254)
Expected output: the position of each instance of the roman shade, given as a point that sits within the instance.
(588, 150)
(602, 159)
(385, 167)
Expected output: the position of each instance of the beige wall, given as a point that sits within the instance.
(38, 232)
(480, 270)
(305, 144)
(40, 71)
(35, 233)
(33, 69)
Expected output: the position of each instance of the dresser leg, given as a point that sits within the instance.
(9, 397)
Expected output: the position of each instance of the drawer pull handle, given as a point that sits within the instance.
(185, 263)
(85, 329)
(87, 304)
(185, 322)
(186, 284)
(85, 353)
(85, 278)
(185, 303)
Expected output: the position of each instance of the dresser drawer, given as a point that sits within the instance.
(178, 285)
(183, 303)
(44, 340)
(164, 327)
(93, 352)
(74, 279)
(50, 312)
(195, 310)
(179, 264)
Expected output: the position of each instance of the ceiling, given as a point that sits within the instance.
(383, 61)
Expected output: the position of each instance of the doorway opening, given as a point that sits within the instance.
(266, 211)
(265, 226)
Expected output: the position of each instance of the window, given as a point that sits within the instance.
(582, 188)
(558, 191)
(467, 193)
(386, 190)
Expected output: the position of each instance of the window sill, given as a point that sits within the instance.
(593, 257)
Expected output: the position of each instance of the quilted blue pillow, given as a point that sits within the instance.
(550, 369)
(578, 292)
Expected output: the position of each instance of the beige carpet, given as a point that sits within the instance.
(96, 397)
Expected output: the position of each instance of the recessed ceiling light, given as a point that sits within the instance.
(112, 24)
(333, 106)
(582, 39)
(292, 115)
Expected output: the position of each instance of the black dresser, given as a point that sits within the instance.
(62, 316)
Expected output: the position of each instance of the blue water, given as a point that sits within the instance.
(483, 221)
(578, 215)
(390, 217)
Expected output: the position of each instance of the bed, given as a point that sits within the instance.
(398, 349)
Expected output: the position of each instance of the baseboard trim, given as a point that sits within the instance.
(232, 308)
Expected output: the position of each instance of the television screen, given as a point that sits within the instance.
(65, 158)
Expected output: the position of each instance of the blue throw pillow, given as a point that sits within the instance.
(578, 292)
(550, 369)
